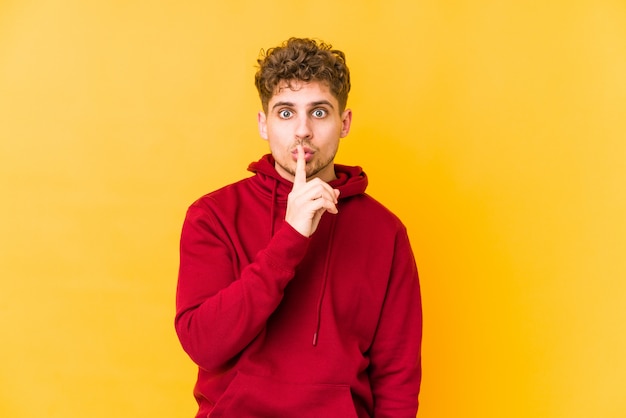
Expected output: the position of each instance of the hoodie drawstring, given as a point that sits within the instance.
(273, 207)
(329, 251)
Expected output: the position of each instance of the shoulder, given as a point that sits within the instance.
(217, 208)
(366, 210)
(229, 194)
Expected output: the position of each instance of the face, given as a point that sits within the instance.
(306, 114)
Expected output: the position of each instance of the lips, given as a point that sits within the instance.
(308, 154)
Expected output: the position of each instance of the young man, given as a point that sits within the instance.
(298, 294)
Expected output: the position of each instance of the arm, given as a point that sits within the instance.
(218, 314)
(396, 351)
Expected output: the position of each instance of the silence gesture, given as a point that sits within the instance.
(308, 201)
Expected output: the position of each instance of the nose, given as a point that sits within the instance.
(303, 128)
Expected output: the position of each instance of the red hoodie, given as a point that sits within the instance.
(282, 325)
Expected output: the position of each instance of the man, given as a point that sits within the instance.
(298, 294)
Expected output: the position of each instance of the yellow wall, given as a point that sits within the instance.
(496, 130)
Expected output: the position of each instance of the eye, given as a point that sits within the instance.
(285, 113)
(319, 113)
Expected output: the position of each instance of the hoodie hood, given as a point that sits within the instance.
(350, 181)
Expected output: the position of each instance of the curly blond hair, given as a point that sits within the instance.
(302, 59)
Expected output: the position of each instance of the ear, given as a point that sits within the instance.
(346, 121)
(262, 122)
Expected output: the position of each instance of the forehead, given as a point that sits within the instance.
(302, 91)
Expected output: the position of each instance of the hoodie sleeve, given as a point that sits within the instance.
(217, 313)
(396, 351)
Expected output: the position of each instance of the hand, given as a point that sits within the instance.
(308, 201)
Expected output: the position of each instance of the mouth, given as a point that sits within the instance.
(308, 154)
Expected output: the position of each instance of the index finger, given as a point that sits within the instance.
(300, 175)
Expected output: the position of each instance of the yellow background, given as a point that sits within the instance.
(496, 130)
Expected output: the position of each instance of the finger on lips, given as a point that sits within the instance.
(316, 190)
(300, 176)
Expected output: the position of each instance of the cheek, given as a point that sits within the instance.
(277, 133)
(278, 147)
(332, 129)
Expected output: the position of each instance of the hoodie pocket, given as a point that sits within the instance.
(254, 396)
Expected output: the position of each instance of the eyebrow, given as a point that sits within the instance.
(313, 104)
